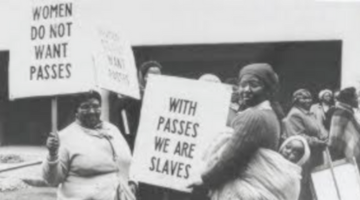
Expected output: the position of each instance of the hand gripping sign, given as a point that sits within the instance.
(179, 118)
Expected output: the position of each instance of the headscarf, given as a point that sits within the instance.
(264, 72)
(299, 94)
(323, 92)
(144, 68)
(307, 151)
(347, 95)
(210, 78)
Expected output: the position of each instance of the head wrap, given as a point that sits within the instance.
(210, 78)
(323, 92)
(144, 68)
(299, 94)
(347, 95)
(264, 72)
(307, 152)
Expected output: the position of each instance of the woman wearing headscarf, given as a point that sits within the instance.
(89, 159)
(258, 126)
(303, 122)
(345, 131)
(321, 109)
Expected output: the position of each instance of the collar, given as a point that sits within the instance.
(306, 112)
(100, 130)
(345, 106)
(265, 105)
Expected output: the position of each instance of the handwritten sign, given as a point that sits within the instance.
(179, 118)
(116, 69)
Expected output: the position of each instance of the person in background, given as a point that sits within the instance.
(321, 109)
(303, 122)
(258, 126)
(89, 159)
(357, 109)
(345, 131)
(235, 99)
(132, 107)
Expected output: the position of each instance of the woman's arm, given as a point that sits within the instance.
(238, 150)
(55, 169)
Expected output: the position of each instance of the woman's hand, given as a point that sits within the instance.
(195, 182)
(52, 144)
(133, 187)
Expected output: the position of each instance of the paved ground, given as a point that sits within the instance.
(11, 185)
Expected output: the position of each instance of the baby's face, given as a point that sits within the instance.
(293, 151)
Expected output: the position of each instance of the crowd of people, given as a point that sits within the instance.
(262, 154)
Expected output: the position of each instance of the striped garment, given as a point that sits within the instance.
(344, 134)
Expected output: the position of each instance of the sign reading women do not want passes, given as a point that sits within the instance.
(179, 118)
(55, 53)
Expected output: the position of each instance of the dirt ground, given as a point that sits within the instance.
(11, 185)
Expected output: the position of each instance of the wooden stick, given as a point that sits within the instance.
(22, 165)
(54, 115)
(333, 173)
(125, 121)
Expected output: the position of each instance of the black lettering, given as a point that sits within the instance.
(174, 103)
(196, 126)
(36, 13)
(68, 9)
(39, 73)
(191, 150)
(60, 68)
(192, 109)
(167, 125)
(181, 131)
(53, 67)
(39, 51)
(175, 121)
(68, 67)
(178, 174)
(188, 127)
(178, 149)
(46, 12)
(161, 121)
(152, 167)
(158, 165)
(32, 71)
(46, 69)
(187, 169)
(173, 167)
(166, 168)
(54, 10)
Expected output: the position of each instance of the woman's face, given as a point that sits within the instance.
(293, 151)
(305, 101)
(152, 70)
(251, 90)
(89, 113)
(327, 97)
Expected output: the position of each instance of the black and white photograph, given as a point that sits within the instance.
(179, 100)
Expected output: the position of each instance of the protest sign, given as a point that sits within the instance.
(347, 180)
(115, 63)
(50, 56)
(179, 118)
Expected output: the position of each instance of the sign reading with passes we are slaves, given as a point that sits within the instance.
(179, 118)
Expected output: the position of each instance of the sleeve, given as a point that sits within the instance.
(297, 125)
(55, 172)
(337, 142)
(238, 150)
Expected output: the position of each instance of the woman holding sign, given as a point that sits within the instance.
(258, 126)
(89, 159)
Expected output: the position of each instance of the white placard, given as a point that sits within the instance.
(116, 69)
(179, 118)
(347, 179)
(52, 55)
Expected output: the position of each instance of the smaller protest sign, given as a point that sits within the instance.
(115, 63)
(347, 180)
(179, 118)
